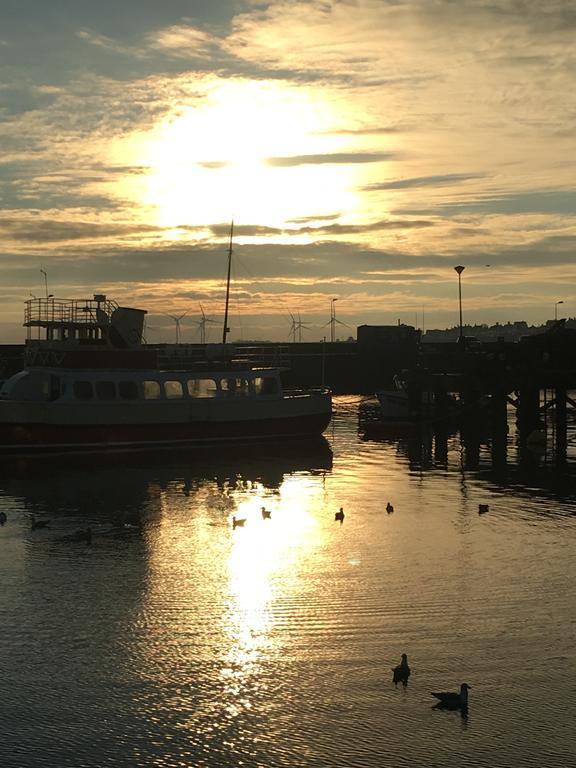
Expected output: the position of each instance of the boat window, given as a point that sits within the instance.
(234, 387)
(151, 390)
(201, 387)
(173, 389)
(265, 386)
(83, 390)
(105, 390)
(54, 387)
(128, 390)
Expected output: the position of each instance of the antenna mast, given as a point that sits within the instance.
(226, 329)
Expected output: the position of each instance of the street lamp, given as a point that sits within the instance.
(459, 269)
(556, 309)
(332, 319)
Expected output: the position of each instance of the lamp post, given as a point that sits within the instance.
(556, 309)
(459, 269)
(332, 318)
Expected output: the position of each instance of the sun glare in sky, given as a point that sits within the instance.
(247, 151)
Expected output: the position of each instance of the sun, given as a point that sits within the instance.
(241, 152)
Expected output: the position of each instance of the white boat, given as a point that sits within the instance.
(90, 383)
(399, 404)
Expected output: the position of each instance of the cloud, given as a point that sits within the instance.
(322, 217)
(331, 158)
(109, 43)
(423, 181)
(36, 230)
(547, 202)
(183, 41)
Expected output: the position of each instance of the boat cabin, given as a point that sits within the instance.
(50, 384)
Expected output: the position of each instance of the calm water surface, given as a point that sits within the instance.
(173, 640)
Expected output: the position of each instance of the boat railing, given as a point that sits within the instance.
(51, 311)
(237, 355)
(265, 356)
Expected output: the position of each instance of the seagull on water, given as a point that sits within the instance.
(401, 673)
(452, 700)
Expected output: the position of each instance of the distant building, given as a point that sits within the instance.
(383, 350)
(497, 332)
(387, 334)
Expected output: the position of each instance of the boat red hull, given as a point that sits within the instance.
(44, 437)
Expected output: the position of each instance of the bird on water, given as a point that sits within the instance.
(389, 508)
(453, 700)
(238, 522)
(483, 508)
(266, 514)
(401, 673)
(3, 518)
(340, 515)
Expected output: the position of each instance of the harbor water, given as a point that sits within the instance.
(166, 637)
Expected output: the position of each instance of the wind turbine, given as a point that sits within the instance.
(297, 325)
(43, 271)
(177, 319)
(147, 327)
(332, 322)
(202, 324)
(292, 331)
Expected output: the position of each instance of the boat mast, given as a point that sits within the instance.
(226, 329)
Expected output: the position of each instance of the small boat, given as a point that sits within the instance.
(90, 383)
(416, 399)
(400, 404)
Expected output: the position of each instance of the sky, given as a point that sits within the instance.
(363, 148)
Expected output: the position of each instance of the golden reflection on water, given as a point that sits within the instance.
(263, 572)
(215, 594)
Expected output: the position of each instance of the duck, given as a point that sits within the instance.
(34, 523)
(238, 522)
(389, 508)
(483, 508)
(3, 518)
(266, 514)
(453, 700)
(340, 515)
(401, 673)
